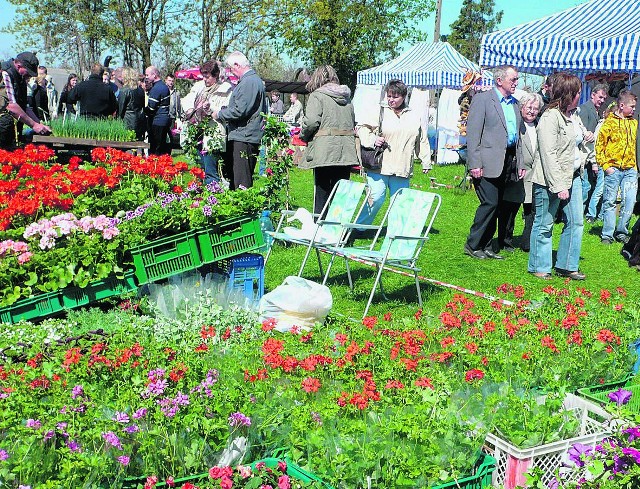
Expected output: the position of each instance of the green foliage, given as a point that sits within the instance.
(477, 17)
(279, 155)
(349, 35)
(102, 129)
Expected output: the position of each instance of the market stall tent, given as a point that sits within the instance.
(600, 35)
(424, 66)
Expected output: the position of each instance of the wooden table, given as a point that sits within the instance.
(87, 144)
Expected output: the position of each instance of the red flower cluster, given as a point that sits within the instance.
(361, 399)
(29, 182)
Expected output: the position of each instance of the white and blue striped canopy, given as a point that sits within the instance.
(427, 65)
(600, 35)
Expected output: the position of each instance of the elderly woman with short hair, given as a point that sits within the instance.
(519, 190)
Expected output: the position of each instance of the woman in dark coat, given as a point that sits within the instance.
(63, 106)
(131, 103)
(327, 127)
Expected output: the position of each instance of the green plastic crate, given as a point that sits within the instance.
(36, 307)
(230, 238)
(165, 257)
(483, 471)
(600, 393)
(100, 289)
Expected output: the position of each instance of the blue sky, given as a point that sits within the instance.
(514, 13)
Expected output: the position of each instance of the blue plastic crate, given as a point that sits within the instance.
(246, 273)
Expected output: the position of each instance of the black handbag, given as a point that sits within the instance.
(371, 158)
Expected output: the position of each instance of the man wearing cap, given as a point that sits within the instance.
(13, 100)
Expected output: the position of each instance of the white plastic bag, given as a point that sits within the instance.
(297, 302)
(307, 229)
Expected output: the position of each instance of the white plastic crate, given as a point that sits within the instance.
(512, 462)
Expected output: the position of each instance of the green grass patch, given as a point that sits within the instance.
(442, 257)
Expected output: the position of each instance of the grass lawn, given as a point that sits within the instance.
(442, 257)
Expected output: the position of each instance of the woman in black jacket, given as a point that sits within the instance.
(63, 106)
(131, 103)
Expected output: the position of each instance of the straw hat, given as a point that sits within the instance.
(470, 78)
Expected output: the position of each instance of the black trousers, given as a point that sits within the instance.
(507, 214)
(489, 192)
(242, 163)
(158, 140)
(325, 178)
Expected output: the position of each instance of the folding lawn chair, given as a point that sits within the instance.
(409, 218)
(343, 207)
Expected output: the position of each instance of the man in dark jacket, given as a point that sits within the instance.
(244, 120)
(95, 98)
(589, 116)
(158, 113)
(13, 100)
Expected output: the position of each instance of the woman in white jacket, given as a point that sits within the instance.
(402, 136)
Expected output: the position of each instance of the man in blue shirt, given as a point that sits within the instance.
(158, 113)
(492, 134)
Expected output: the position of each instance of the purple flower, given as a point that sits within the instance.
(239, 419)
(620, 397)
(212, 200)
(181, 399)
(123, 459)
(120, 417)
(73, 446)
(207, 210)
(634, 433)
(33, 423)
(140, 413)
(157, 387)
(49, 434)
(132, 429)
(316, 417)
(4, 455)
(577, 451)
(112, 439)
(77, 391)
(156, 374)
(633, 453)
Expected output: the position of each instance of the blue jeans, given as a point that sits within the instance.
(378, 185)
(541, 249)
(586, 186)
(627, 182)
(262, 160)
(592, 210)
(209, 163)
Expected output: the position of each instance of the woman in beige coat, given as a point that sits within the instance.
(327, 127)
(556, 182)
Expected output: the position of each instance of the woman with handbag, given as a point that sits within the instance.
(327, 128)
(399, 138)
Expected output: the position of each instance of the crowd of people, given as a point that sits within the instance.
(565, 163)
(226, 107)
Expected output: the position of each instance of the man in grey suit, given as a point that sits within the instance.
(492, 134)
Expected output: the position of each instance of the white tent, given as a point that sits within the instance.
(423, 66)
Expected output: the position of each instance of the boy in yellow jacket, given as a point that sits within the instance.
(616, 155)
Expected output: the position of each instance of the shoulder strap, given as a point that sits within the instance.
(380, 120)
